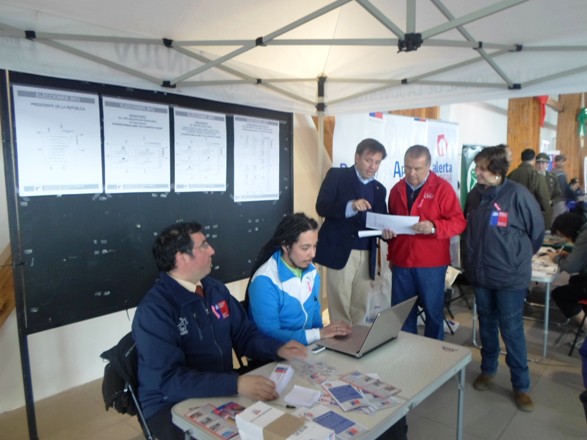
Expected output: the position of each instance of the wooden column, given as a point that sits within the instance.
(425, 113)
(567, 136)
(6, 285)
(523, 127)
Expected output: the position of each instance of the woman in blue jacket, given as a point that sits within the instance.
(505, 228)
(284, 290)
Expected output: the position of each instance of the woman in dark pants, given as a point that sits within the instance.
(505, 228)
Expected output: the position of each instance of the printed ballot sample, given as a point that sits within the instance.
(346, 396)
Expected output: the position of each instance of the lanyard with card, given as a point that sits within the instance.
(498, 217)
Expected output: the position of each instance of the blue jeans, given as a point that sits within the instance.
(428, 284)
(501, 310)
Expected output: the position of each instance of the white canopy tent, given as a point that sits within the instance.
(372, 54)
(271, 54)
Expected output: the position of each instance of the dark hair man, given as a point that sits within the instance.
(185, 329)
(345, 197)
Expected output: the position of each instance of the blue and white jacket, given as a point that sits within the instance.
(185, 343)
(284, 306)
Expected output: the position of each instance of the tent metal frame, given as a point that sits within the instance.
(482, 54)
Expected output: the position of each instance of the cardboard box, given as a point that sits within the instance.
(263, 422)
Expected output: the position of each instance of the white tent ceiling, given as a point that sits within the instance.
(269, 53)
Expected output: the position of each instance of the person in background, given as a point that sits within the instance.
(574, 190)
(528, 176)
(284, 289)
(557, 199)
(345, 197)
(573, 228)
(185, 329)
(558, 170)
(419, 261)
(505, 228)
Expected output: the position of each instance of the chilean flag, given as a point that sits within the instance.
(220, 310)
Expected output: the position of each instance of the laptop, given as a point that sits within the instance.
(364, 338)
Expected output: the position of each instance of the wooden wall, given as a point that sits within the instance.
(523, 127)
(567, 136)
(6, 285)
(524, 130)
(425, 113)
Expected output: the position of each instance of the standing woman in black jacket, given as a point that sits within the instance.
(505, 228)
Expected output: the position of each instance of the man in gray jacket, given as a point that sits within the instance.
(527, 175)
(557, 199)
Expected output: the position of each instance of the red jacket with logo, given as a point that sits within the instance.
(436, 202)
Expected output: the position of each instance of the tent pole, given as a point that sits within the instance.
(320, 106)
(11, 191)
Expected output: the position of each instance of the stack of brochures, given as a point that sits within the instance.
(360, 391)
(219, 421)
(261, 421)
(281, 376)
(344, 428)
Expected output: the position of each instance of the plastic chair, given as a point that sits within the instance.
(123, 361)
(583, 304)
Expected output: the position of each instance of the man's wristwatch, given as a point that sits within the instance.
(433, 230)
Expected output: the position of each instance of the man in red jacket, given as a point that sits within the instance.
(418, 262)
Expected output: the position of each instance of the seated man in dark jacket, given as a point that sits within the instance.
(185, 329)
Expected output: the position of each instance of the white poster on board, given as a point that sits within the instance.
(200, 150)
(256, 159)
(58, 142)
(136, 146)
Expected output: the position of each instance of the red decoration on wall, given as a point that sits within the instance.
(542, 100)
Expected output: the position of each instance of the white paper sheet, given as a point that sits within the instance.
(58, 142)
(256, 152)
(400, 224)
(200, 150)
(302, 396)
(369, 233)
(136, 146)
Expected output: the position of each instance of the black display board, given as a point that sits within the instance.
(81, 256)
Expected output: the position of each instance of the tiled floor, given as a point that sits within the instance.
(491, 415)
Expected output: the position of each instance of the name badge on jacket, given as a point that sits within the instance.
(499, 219)
(220, 310)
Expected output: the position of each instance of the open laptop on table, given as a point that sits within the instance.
(364, 338)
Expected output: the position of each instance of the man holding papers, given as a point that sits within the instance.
(345, 197)
(419, 261)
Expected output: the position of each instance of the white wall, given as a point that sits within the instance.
(483, 123)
